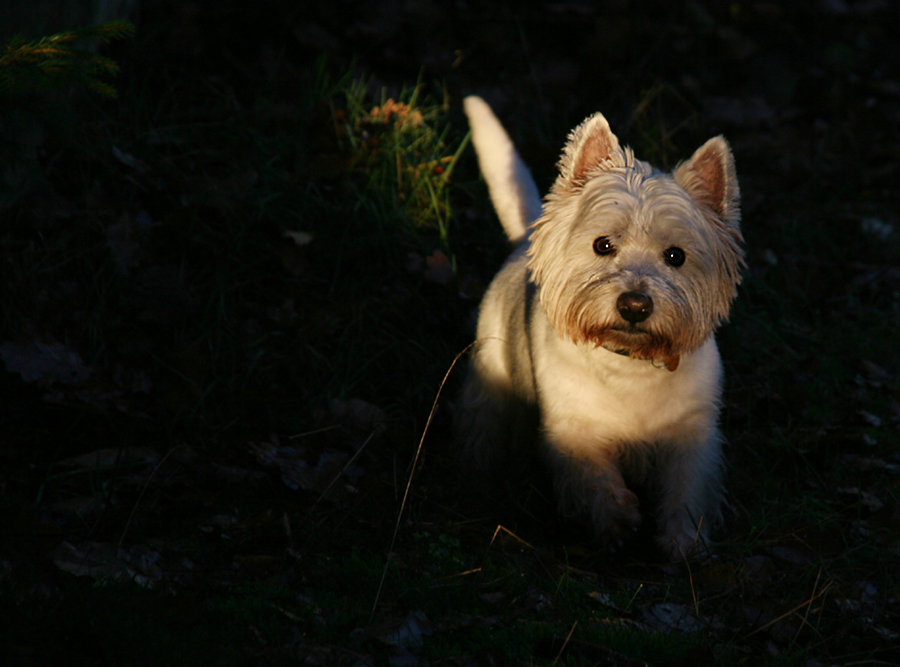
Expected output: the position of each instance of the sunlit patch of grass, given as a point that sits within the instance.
(406, 152)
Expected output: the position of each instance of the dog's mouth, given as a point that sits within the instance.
(630, 330)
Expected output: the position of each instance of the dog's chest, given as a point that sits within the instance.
(622, 399)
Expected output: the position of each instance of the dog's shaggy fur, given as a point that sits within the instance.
(596, 337)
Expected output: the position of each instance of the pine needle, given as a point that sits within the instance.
(27, 67)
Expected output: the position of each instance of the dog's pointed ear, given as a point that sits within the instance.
(709, 177)
(590, 145)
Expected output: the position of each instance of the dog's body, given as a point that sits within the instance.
(596, 337)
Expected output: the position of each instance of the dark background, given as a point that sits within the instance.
(208, 430)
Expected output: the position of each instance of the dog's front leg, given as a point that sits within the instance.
(615, 509)
(690, 496)
(589, 486)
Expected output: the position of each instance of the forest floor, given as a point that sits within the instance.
(231, 295)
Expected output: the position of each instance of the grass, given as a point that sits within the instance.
(401, 149)
(242, 268)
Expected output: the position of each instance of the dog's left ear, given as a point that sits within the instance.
(709, 177)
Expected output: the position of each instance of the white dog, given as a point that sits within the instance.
(595, 340)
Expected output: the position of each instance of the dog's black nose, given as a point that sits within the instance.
(634, 307)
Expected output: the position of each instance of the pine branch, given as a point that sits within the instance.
(28, 66)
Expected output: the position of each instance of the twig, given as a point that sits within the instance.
(805, 603)
(141, 494)
(412, 471)
(687, 562)
(508, 532)
(804, 620)
(565, 643)
(313, 432)
(346, 465)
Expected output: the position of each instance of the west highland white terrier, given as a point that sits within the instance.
(595, 339)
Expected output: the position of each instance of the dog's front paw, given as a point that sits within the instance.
(615, 515)
(680, 539)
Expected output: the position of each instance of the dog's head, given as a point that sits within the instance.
(641, 262)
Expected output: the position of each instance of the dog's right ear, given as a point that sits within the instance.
(589, 148)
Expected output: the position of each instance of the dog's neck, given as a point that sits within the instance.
(669, 363)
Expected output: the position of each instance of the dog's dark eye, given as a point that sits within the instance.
(603, 246)
(674, 256)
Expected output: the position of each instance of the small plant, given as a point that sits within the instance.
(406, 151)
(29, 66)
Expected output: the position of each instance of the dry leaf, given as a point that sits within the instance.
(44, 363)
(439, 269)
(671, 617)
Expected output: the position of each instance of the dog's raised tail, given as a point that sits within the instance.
(513, 192)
